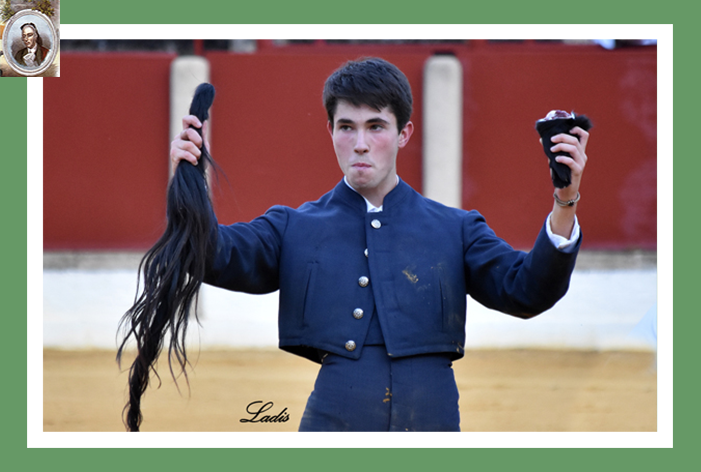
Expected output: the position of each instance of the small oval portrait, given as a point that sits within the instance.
(30, 43)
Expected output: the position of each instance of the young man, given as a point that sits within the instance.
(373, 277)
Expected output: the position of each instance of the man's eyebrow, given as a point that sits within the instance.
(371, 120)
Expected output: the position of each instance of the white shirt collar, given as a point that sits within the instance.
(370, 207)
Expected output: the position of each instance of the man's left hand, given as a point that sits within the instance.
(576, 162)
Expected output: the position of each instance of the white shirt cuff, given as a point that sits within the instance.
(562, 243)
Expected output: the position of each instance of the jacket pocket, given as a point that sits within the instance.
(418, 296)
(310, 280)
(442, 289)
(452, 311)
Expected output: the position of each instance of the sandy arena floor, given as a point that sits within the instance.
(512, 390)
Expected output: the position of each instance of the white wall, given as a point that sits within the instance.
(82, 308)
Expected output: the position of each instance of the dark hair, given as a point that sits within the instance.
(32, 25)
(173, 271)
(373, 82)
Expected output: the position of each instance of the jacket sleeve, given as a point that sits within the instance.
(246, 257)
(514, 282)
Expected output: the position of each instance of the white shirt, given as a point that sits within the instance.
(30, 57)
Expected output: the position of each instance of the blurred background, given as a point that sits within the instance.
(109, 121)
(107, 133)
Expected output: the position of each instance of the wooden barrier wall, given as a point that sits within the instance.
(106, 138)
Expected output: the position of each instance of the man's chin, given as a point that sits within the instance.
(360, 183)
(360, 179)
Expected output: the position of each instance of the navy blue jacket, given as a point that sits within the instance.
(411, 265)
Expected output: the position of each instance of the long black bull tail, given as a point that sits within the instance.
(173, 271)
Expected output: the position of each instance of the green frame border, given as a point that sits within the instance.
(279, 11)
(368, 12)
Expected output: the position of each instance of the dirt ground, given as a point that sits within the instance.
(500, 390)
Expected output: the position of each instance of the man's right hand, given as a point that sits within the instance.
(186, 145)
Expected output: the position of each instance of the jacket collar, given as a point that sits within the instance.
(349, 196)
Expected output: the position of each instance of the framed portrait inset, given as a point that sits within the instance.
(30, 43)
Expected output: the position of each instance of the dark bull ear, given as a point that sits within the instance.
(547, 128)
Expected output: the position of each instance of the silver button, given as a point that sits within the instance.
(363, 281)
(376, 224)
(365, 252)
(358, 313)
(350, 346)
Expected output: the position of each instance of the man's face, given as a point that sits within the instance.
(29, 37)
(366, 142)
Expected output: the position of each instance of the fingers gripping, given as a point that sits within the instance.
(186, 145)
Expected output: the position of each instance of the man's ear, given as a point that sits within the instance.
(405, 134)
(329, 127)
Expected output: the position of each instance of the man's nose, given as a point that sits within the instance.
(361, 145)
